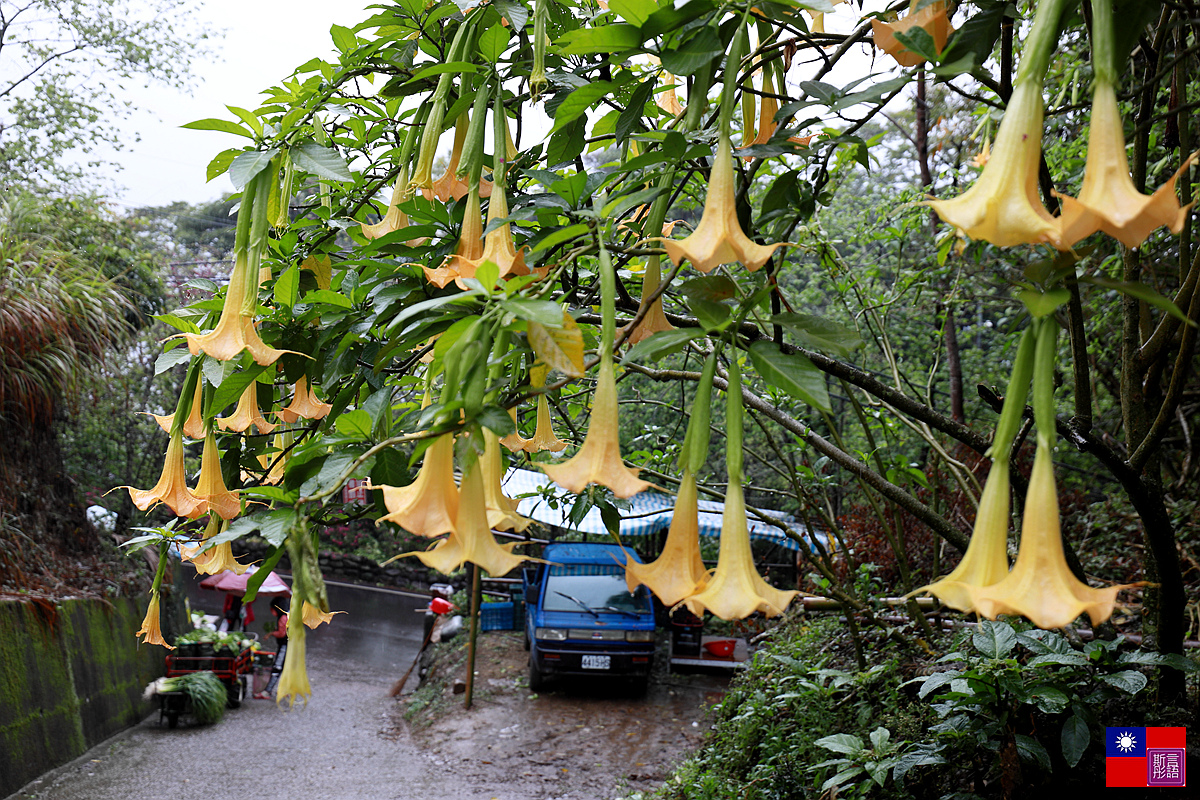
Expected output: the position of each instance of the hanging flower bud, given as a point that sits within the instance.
(293, 681)
(246, 414)
(171, 488)
(429, 505)
(678, 572)
(210, 487)
(501, 511)
(151, 629)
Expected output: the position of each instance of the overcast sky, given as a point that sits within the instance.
(264, 40)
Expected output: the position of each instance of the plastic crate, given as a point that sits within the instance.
(496, 617)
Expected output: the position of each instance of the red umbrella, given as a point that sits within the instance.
(229, 581)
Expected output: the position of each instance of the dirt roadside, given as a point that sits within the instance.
(580, 740)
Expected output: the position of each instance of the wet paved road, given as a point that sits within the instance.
(341, 746)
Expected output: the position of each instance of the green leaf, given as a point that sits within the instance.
(343, 38)
(171, 358)
(1142, 292)
(249, 117)
(571, 189)
(223, 125)
(994, 639)
(975, 39)
(321, 161)
(391, 468)
(661, 344)
(220, 163)
(355, 424)
(841, 743)
(1049, 699)
(578, 102)
(566, 144)
(918, 41)
(245, 166)
(328, 297)
(820, 333)
(936, 681)
(1075, 739)
(634, 11)
(559, 346)
(287, 286)
(1031, 749)
(494, 42)
(514, 11)
(231, 387)
(1042, 304)
(1128, 681)
(604, 39)
(702, 47)
(629, 121)
(563, 235)
(256, 580)
(791, 372)
(178, 323)
(544, 312)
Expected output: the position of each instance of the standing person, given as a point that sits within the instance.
(280, 634)
(236, 615)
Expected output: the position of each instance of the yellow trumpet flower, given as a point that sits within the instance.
(655, 320)
(514, 441)
(272, 460)
(235, 331)
(544, 437)
(678, 572)
(501, 511)
(1040, 585)
(393, 219)
(599, 460)
(216, 559)
(719, 238)
(932, 18)
(246, 414)
(498, 246)
(151, 630)
(193, 426)
(450, 185)
(313, 617)
(171, 488)
(429, 505)
(210, 486)
(304, 404)
(736, 590)
(668, 101)
(470, 247)
(1108, 200)
(986, 560)
(293, 681)
(1003, 206)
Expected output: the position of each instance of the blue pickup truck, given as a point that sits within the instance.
(580, 619)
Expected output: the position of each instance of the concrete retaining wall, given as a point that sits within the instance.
(71, 675)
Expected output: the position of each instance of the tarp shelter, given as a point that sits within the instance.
(649, 512)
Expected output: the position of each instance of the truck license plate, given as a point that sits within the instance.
(596, 662)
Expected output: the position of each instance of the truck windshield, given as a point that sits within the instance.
(603, 592)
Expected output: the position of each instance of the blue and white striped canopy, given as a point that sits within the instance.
(649, 512)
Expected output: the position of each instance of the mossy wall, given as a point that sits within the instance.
(71, 675)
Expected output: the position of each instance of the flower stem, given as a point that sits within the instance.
(1043, 381)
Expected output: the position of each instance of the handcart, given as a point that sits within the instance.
(233, 669)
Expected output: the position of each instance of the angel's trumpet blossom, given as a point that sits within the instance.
(210, 486)
(667, 100)
(1041, 587)
(293, 681)
(171, 488)
(736, 590)
(515, 441)
(313, 617)
(1109, 201)
(472, 541)
(193, 426)
(304, 404)
(933, 19)
(246, 414)
(768, 107)
(393, 219)
(986, 560)
(678, 572)
(1003, 206)
(235, 331)
(429, 505)
(501, 510)
(216, 559)
(655, 319)
(498, 246)
(544, 437)
(151, 630)
(450, 185)
(461, 263)
(274, 461)
(599, 460)
(719, 238)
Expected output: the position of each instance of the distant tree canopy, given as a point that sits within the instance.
(63, 69)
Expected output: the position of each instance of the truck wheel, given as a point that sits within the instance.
(537, 678)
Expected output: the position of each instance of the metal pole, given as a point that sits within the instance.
(475, 595)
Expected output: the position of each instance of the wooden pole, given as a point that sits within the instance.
(475, 596)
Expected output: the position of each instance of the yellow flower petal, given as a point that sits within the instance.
(429, 505)
(501, 511)
(151, 630)
(678, 572)
(293, 681)
(246, 414)
(932, 18)
(304, 404)
(210, 486)
(171, 488)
